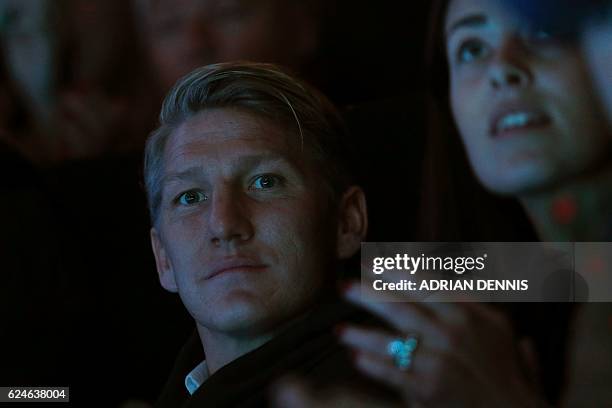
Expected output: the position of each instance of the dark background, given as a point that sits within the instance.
(81, 304)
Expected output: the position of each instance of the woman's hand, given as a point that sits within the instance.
(296, 394)
(466, 353)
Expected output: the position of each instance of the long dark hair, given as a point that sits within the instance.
(454, 205)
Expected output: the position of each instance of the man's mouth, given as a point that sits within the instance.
(235, 265)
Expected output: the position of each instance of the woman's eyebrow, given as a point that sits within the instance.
(469, 21)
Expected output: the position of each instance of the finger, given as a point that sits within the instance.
(445, 313)
(425, 380)
(382, 369)
(406, 317)
(366, 340)
(489, 313)
(395, 305)
(375, 343)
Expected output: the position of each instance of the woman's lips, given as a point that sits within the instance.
(508, 119)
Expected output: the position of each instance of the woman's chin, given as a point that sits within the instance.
(528, 178)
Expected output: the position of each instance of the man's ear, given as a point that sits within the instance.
(352, 222)
(164, 268)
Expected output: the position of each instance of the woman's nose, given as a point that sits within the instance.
(510, 66)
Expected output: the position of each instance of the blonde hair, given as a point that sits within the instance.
(265, 90)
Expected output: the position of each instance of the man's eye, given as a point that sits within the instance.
(471, 50)
(191, 197)
(264, 182)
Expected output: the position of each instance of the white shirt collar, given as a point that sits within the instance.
(196, 377)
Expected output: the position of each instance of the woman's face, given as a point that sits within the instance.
(521, 99)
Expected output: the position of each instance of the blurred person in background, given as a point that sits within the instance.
(76, 66)
(35, 300)
(30, 37)
(182, 35)
(83, 83)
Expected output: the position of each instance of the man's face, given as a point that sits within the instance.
(243, 234)
(186, 34)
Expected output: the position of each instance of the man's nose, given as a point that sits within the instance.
(510, 66)
(229, 219)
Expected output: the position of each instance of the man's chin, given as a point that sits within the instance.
(239, 314)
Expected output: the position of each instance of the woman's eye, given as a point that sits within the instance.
(264, 182)
(191, 197)
(471, 50)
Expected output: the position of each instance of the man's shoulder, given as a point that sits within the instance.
(174, 392)
(307, 349)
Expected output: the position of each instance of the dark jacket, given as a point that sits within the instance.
(308, 348)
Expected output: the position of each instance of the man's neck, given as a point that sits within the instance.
(577, 211)
(222, 348)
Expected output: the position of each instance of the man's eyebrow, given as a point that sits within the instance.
(187, 174)
(469, 21)
(245, 163)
